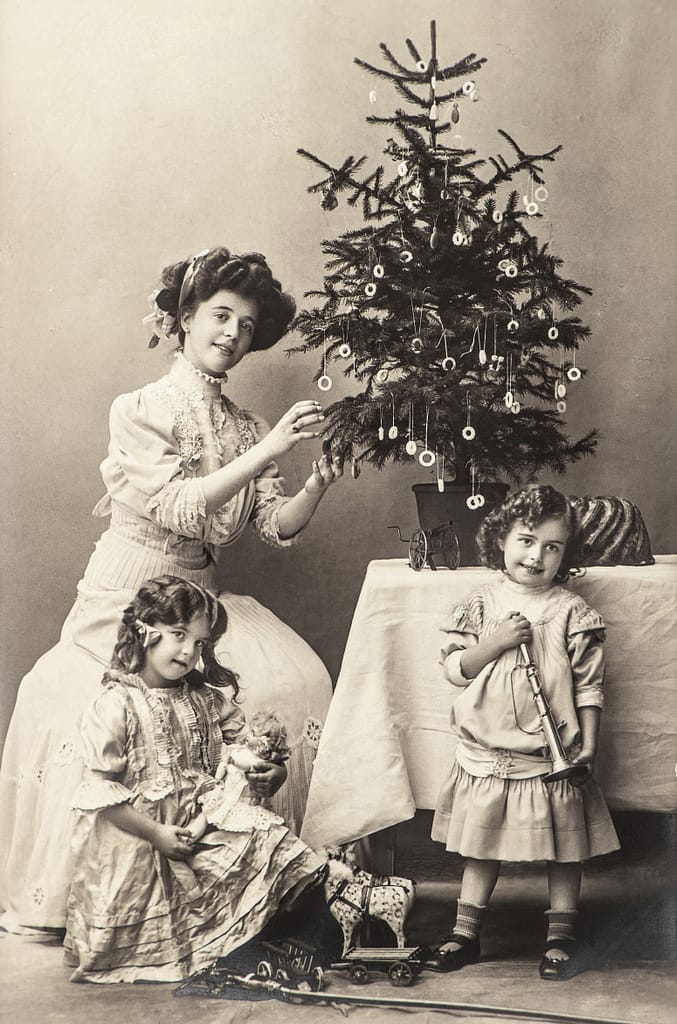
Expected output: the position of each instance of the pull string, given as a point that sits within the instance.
(325, 382)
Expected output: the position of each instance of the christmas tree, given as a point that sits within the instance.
(442, 306)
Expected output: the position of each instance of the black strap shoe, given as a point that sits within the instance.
(453, 959)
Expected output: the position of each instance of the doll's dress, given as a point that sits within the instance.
(493, 804)
(132, 913)
(163, 439)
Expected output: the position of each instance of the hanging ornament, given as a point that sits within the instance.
(381, 429)
(541, 194)
(497, 217)
(432, 113)
(435, 239)
(416, 345)
(561, 406)
(403, 169)
(378, 270)
(573, 373)
(532, 209)
(324, 383)
(393, 431)
(455, 115)
(553, 333)
(382, 375)
(370, 290)
(474, 95)
(469, 433)
(416, 342)
(329, 201)
(439, 471)
(406, 256)
(468, 87)
(458, 238)
(426, 457)
(541, 313)
(345, 350)
(513, 325)
(511, 269)
(421, 66)
(475, 500)
(515, 408)
(411, 446)
(372, 96)
(560, 389)
(509, 397)
(503, 265)
(355, 468)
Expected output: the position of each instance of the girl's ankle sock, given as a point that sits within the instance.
(561, 924)
(468, 919)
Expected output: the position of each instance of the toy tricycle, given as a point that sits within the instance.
(425, 545)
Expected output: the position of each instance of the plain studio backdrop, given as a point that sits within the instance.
(135, 134)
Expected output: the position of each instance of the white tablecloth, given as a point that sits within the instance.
(386, 744)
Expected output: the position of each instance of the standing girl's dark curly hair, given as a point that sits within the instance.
(531, 506)
(170, 600)
(187, 284)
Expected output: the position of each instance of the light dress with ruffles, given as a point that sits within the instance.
(164, 438)
(134, 914)
(494, 804)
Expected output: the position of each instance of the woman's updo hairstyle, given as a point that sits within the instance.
(169, 601)
(531, 506)
(185, 285)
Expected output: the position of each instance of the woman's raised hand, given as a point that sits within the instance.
(326, 471)
(298, 424)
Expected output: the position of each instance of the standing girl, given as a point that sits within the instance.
(186, 471)
(495, 805)
(170, 871)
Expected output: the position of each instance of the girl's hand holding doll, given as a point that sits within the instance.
(265, 782)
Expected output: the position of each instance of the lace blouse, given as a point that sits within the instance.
(167, 436)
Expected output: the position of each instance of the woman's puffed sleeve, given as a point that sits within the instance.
(145, 465)
(463, 628)
(585, 646)
(103, 729)
(271, 495)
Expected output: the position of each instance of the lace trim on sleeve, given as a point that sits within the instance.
(267, 524)
(467, 617)
(180, 507)
(93, 794)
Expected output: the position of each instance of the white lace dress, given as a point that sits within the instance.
(163, 439)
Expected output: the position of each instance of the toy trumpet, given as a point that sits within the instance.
(562, 767)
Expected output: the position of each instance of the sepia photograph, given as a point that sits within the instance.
(339, 560)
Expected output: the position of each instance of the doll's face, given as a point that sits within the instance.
(218, 334)
(175, 653)
(533, 554)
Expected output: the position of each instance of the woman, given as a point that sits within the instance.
(186, 471)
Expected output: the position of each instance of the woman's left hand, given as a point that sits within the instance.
(326, 471)
(265, 783)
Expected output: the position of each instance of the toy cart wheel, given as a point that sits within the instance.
(401, 974)
(316, 976)
(449, 548)
(359, 975)
(418, 550)
(281, 975)
(264, 970)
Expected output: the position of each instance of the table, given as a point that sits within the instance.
(386, 744)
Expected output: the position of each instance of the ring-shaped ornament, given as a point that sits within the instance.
(370, 290)
(573, 373)
(406, 256)
(553, 334)
(541, 193)
(426, 458)
(561, 406)
(416, 345)
(469, 433)
(393, 432)
(511, 270)
(324, 383)
(509, 398)
(345, 350)
(410, 447)
(378, 270)
(531, 209)
(448, 363)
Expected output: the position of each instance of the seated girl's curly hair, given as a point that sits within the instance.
(531, 506)
(185, 285)
(170, 600)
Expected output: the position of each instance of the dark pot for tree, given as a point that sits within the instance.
(435, 508)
